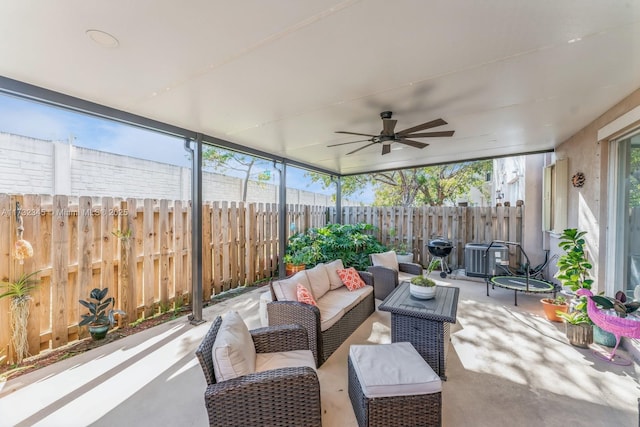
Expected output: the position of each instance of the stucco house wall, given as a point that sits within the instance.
(588, 205)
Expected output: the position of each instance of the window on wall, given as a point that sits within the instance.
(554, 204)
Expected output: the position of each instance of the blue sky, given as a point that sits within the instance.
(32, 119)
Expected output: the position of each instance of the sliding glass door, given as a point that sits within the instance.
(625, 214)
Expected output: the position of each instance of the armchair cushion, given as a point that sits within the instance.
(385, 259)
(234, 353)
(285, 359)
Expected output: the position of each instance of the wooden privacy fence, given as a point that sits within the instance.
(139, 249)
(461, 225)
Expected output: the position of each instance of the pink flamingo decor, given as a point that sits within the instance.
(618, 326)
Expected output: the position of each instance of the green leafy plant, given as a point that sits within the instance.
(575, 317)
(401, 247)
(619, 304)
(573, 266)
(558, 300)
(19, 292)
(423, 281)
(99, 312)
(352, 243)
(20, 289)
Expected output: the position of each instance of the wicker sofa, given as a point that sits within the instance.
(286, 396)
(338, 314)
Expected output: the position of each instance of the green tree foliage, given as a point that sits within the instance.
(248, 166)
(634, 181)
(431, 185)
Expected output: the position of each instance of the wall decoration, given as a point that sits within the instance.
(578, 179)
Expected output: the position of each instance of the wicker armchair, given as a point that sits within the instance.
(385, 279)
(279, 397)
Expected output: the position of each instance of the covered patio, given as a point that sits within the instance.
(507, 365)
(277, 80)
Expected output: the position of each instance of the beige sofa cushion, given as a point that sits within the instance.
(233, 352)
(345, 298)
(385, 259)
(318, 280)
(285, 289)
(332, 271)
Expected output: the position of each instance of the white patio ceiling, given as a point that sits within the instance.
(280, 76)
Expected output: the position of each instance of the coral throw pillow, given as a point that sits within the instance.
(351, 279)
(304, 295)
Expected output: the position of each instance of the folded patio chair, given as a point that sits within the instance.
(283, 396)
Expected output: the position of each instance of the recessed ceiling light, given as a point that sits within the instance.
(577, 39)
(102, 38)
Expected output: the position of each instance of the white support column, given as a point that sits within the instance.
(61, 167)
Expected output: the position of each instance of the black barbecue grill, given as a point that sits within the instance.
(440, 248)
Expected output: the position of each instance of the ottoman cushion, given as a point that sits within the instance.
(397, 369)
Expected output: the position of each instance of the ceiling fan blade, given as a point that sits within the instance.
(430, 134)
(350, 142)
(355, 133)
(361, 148)
(428, 125)
(386, 149)
(416, 144)
(388, 125)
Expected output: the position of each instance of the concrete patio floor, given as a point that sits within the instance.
(507, 366)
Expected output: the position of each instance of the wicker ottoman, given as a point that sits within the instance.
(392, 385)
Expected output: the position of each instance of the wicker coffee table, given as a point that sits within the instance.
(423, 323)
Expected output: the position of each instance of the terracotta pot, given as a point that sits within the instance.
(550, 309)
(293, 268)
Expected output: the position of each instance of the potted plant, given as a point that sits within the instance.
(579, 329)
(618, 306)
(19, 291)
(403, 253)
(552, 305)
(100, 316)
(422, 287)
(573, 274)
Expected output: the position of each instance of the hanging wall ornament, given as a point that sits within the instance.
(578, 179)
(23, 248)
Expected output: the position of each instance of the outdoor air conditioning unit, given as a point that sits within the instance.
(477, 265)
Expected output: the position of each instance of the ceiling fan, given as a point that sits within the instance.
(389, 135)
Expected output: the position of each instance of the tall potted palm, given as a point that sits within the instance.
(573, 274)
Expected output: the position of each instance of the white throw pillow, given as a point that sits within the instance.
(332, 271)
(234, 353)
(385, 259)
(319, 280)
(285, 289)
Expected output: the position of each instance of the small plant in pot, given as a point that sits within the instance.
(579, 328)
(100, 317)
(422, 287)
(552, 306)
